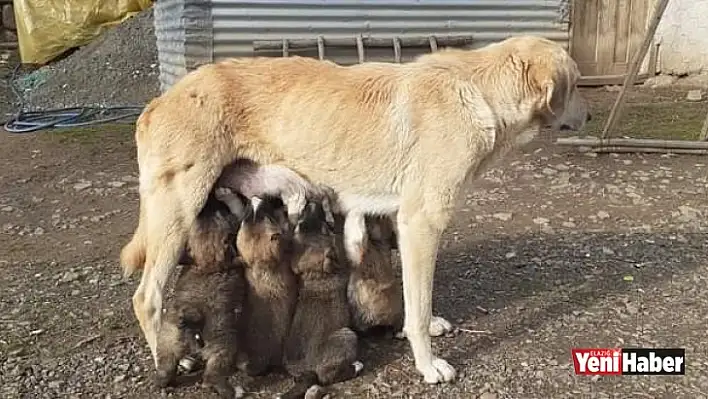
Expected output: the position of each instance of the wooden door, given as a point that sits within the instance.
(605, 36)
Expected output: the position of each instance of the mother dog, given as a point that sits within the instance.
(387, 138)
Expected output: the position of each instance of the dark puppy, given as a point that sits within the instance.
(265, 244)
(320, 349)
(202, 318)
(375, 294)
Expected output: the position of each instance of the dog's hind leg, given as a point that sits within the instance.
(420, 226)
(173, 199)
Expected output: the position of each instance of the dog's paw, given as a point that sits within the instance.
(439, 326)
(358, 367)
(437, 371)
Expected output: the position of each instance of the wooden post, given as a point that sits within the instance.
(360, 48)
(397, 49)
(285, 48)
(634, 67)
(433, 44)
(704, 131)
(320, 47)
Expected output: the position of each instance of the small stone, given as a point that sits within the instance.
(503, 216)
(603, 215)
(549, 171)
(68, 277)
(488, 395)
(54, 384)
(7, 208)
(117, 184)
(82, 185)
(510, 255)
(119, 378)
(569, 225)
(38, 231)
(694, 95)
(540, 220)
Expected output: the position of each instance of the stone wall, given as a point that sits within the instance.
(8, 28)
(683, 37)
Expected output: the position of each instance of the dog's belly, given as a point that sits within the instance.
(385, 204)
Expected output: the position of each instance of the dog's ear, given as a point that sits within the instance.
(541, 82)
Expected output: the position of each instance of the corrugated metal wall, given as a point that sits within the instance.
(237, 24)
(184, 37)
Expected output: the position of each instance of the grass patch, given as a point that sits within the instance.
(92, 134)
(667, 121)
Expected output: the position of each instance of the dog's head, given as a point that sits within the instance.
(549, 78)
(264, 235)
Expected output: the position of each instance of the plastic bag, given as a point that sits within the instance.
(47, 28)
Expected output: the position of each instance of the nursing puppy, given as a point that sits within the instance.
(375, 294)
(388, 138)
(202, 318)
(265, 244)
(320, 348)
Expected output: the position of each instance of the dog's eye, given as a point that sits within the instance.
(275, 237)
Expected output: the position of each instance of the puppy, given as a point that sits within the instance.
(320, 348)
(265, 244)
(375, 294)
(203, 316)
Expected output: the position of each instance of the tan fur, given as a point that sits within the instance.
(388, 138)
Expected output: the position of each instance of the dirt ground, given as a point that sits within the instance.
(550, 251)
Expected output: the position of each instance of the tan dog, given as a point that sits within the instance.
(387, 138)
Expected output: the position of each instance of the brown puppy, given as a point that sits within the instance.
(203, 316)
(375, 294)
(320, 348)
(264, 242)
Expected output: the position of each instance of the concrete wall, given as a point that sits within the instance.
(683, 37)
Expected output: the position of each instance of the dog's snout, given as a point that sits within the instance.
(588, 118)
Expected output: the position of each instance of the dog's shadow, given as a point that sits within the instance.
(478, 280)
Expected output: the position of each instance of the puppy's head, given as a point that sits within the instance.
(549, 77)
(264, 234)
(317, 244)
(183, 325)
(381, 232)
(211, 241)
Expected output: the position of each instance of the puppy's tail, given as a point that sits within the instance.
(132, 256)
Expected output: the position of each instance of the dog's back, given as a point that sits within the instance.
(265, 244)
(320, 348)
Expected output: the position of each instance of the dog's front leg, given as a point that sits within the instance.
(419, 235)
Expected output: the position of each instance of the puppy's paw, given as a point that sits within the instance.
(163, 379)
(315, 392)
(439, 326)
(437, 371)
(358, 367)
